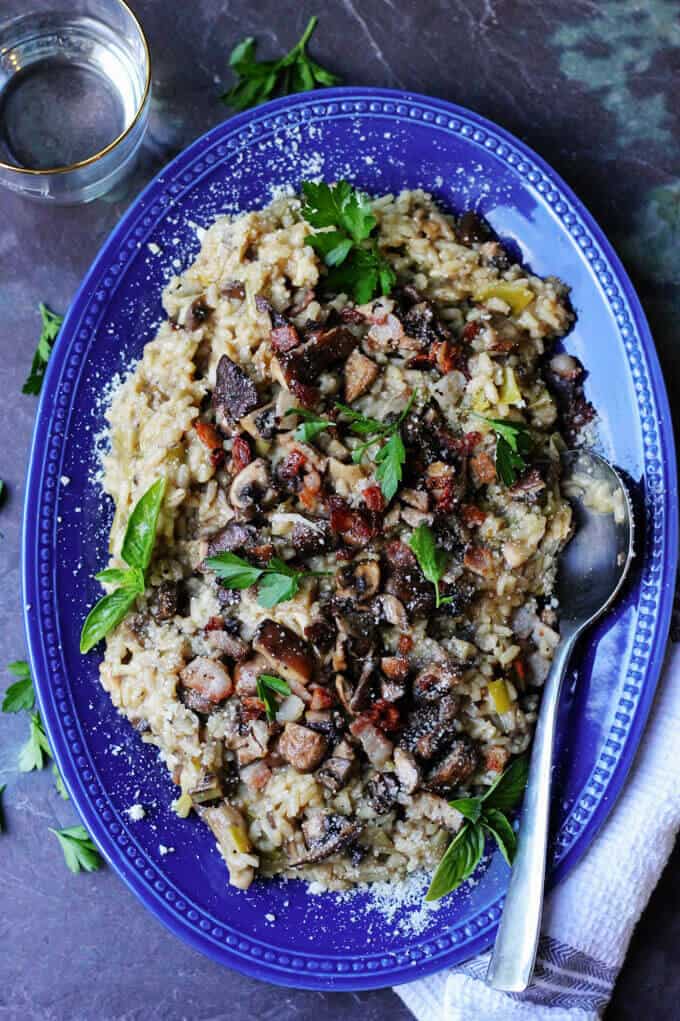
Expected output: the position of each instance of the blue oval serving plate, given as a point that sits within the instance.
(382, 141)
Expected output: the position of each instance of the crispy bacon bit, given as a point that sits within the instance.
(322, 698)
(241, 455)
(469, 441)
(208, 435)
(215, 624)
(252, 708)
(290, 468)
(233, 289)
(284, 338)
(373, 498)
(471, 330)
(384, 715)
(448, 356)
(357, 527)
(472, 515)
(495, 758)
(394, 667)
(479, 560)
(377, 747)
(483, 468)
(405, 644)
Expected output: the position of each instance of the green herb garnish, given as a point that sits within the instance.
(267, 686)
(79, 851)
(431, 560)
(32, 754)
(311, 425)
(276, 583)
(390, 457)
(486, 814)
(349, 249)
(513, 446)
(51, 322)
(260, 80)
(136, 551)
(20, 695)
(59, 785)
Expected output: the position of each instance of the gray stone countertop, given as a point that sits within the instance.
(592, 86)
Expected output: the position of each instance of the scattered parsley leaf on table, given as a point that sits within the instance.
(59, 784)
(349, 249)
(268, 685)
(32, 755)
(276, 583)
(79, 851)
(260, 80)
(513, 446)
(486, 814)
(20, 695)
(51, 323)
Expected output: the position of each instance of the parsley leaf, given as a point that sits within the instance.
(3, 788)
(357, 266)
(268, 685)
(19, 695)
(513, 446)
(276, 583)
(484, 814)
(137, 549)
(311, 425)
(51, 322)
(32, 755)
(391, 456)
(259, 80)
(431, 560)
(59, 784)
(79, 851)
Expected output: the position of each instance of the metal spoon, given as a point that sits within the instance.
(590, 574)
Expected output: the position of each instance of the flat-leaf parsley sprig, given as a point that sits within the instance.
(138, 543)
(260, 80)
(486, 814)
(79, 851)
(432, 561)
(513, 446)
(276, 583)
(51, 324)
(391, 456)
(348, 247)
(267, 686)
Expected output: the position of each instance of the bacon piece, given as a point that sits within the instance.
(472, 515)
(373, 498)
(208, 435)
(241, 455)
(284, 338)
(483, 468)
(356, 526)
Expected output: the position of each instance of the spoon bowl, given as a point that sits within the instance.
(591, 570)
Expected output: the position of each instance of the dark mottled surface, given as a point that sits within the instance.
(591, 86)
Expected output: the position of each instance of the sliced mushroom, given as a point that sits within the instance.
(163, 601)
(251, 489)
(326, 835)
(394, 612)
(456, 767)
(359, 580)
(382, 791)
(406, 581)
(261, 423)
(253, 744)
(434, 681)
(290, 656)
(235, 393)
(337, 771)
(208, 677)
(233, 841)
(198, 312)
(360, 375)
(431, 727)
(235, 536)
(301, 747)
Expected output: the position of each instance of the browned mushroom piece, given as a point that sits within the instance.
(301, 747)
(234, 395)
(208, 677)
(359, 580)
(530, 487)
(457, 766)
(433, 681)
(360, 375)
(326, 835)
(290, 656)
(311, 540)
(406, 581)
(251, 489)
(228, 645)
(407, 770)
(382, 791)
(235, 536)
(431, 727)
(208, 788)
(251, 742)
(198, 312)
(339, 768)
(233, 289)
(163, 601)
(301, 366)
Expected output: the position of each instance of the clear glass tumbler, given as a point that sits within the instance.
(75, 87)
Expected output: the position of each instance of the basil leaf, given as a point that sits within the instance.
(276, 684)
(502, 832)
(508, 789)
(459, 862)
(234, 571)
(140, 534)
(471, 808)
(105, 616)
(79, 851)
(267, 685)
(128, 577)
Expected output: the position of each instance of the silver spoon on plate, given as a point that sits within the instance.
(591, 571)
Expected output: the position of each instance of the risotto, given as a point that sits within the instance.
(348, 616)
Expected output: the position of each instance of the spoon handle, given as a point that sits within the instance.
(514, 954)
